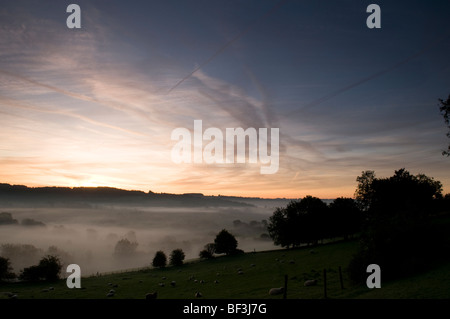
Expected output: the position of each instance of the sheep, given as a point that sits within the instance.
(252, 265)
(198, 295)
(161, 284)
(13, 296)
(151, 295)
(51, 288)
(216, 281)
(173, 283)
(310, 283)
(240, 272)
(195, 281)
(276, 291)
(110, 293)
(292, 261)
(164, 278)
(202, 281)
(115, 286)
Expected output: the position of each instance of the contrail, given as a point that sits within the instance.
(82, 97)
(226, 45)
(366, 79)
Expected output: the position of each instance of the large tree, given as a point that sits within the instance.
(300, 222)
(225, 243)
(397, 232)
(444, 107)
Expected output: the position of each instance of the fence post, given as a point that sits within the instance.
(285, 286)
(340, 278)
(325, 283)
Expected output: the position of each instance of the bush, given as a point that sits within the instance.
(160, 259)
(208, 251)
(48, 269)
(177, 257)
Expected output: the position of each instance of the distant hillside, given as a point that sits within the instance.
(20, 195)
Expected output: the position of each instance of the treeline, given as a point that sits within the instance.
(310, 220)
(402, 223)
(14, 195)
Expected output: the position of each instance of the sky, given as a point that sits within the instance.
(96, 106)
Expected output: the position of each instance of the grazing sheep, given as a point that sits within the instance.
(112, 291)
(173, 283)
(252, 265)
(115, 286)
(151, 295)
(198, 295)
(161, 284)
(240, 272)
(196, 281)
(276, 291)
(202, 281)
(164, 278)
(51, 288)
(110, 294)
(216, 281)
(218, 274)
(13, 296)
(310, 283)
(109, 283)
(44, 290)
(292, 261)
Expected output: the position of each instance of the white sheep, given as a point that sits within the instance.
(198, 295)
(173, 283)
(276, 291)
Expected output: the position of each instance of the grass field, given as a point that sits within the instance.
(261, 271)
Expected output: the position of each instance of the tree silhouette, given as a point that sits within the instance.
(48, 269)
(160, 259)
(444, 107)
(345, 217)
(225, 243)
(177, 257)
(397, 231)
(5, 269)
(300, 222)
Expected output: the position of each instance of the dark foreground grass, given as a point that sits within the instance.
(219, 278)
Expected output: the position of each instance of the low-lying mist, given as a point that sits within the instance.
(88, 236)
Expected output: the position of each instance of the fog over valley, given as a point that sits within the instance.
(89, 236)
